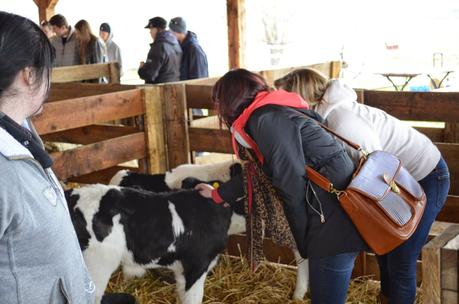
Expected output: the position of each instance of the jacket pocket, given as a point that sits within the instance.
(59, 293)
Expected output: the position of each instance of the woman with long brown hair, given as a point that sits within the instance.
(284, 136)
(91, 50)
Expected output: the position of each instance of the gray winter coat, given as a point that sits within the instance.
(66, 54)
(40, 259)
(163, 60)
(112, 52)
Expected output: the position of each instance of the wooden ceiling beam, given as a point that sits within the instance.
(45, 8)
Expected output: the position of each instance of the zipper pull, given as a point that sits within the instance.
(322, 218)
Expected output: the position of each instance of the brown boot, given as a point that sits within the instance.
(382, 299)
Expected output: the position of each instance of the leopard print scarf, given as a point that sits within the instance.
(265, 217)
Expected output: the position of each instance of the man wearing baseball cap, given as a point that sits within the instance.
(164, 57)
(194, 59)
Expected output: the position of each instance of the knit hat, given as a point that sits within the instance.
(178, 25)
(105, 27)
(157, 22)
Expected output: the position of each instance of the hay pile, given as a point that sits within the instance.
(232, 282)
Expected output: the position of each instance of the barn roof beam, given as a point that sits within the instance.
(45, 8)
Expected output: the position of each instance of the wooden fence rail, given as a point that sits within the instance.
(102, 146)
(86, 72)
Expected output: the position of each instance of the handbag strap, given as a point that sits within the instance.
(347, 141)
(322, 181)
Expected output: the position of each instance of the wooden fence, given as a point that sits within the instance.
(165, 136)
(78, 114)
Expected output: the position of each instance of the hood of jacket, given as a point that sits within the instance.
(190, 39)
(166, 37)
(337, 93)
(279, 97)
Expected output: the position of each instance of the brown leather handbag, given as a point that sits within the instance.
(383, 200)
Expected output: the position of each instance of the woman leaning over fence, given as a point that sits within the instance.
(40, 259)
(374, 129)
(285, 136)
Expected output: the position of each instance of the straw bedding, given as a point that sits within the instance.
(232, 282)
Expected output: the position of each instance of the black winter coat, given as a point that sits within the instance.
(194, 60)
(163, 60)
(289, 140)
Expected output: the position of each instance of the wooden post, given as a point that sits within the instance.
(115, 73)
(451, 132)
(432, 265)
(154, 130)
(175, 109)
(360, 95)
(45, 8)
(235, 14)
(335, 69)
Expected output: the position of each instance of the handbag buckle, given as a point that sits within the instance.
(393, 186)
(364, 152)
(335, 191)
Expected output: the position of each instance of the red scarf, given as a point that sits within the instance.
(279, 97)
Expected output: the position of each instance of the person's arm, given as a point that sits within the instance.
(11, 206)
(197, 65)
(99, 52)
(150, 70)
(229, 191)
(118, 58)
(280, 142)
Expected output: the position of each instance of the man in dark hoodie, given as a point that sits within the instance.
(194, 60)
(164, 57)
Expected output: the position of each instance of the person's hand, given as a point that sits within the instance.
(141, 64)
(205, 190)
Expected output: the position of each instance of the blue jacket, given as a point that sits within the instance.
(163, 60)
(194, 60)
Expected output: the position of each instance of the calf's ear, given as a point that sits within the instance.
(190, 182)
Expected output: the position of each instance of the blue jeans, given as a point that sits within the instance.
(398, 267)
(329, 277)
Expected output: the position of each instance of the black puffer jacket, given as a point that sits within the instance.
(163, 60)
(289, 139)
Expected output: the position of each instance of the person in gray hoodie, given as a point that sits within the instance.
(164, 57)
(40, 258)
(65, 42)
(112, 52)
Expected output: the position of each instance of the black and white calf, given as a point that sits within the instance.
(180, 178)
(139, 230)
(173, 179)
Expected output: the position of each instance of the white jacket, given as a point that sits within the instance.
(374, 129)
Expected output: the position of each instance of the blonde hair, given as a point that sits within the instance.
(308, 83)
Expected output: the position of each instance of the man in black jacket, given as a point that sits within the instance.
(194, 60)
(164, 57)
